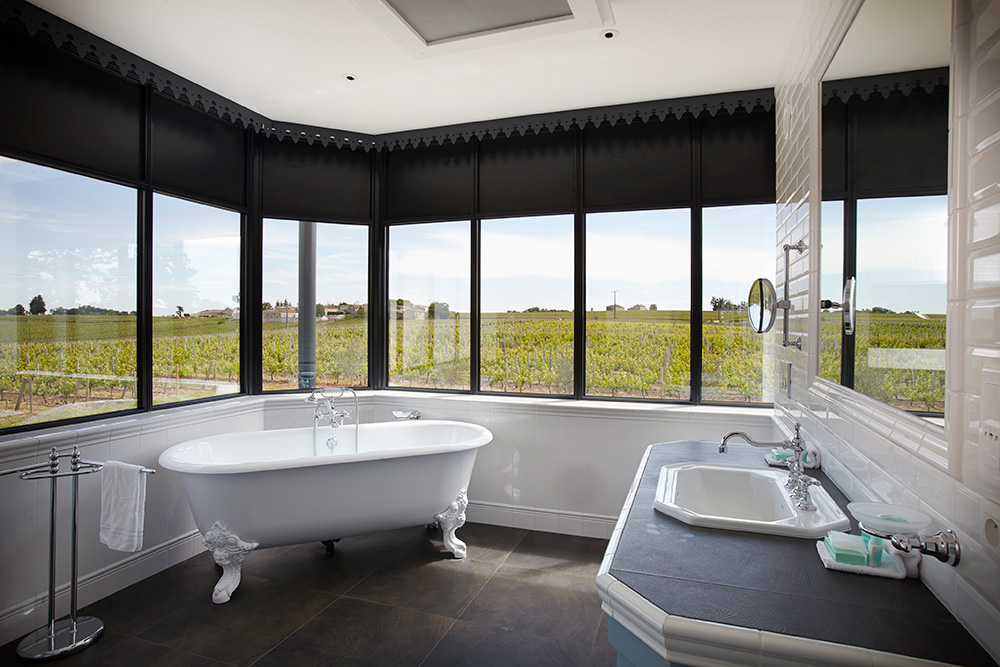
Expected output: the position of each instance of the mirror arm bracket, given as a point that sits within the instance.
(786, 304)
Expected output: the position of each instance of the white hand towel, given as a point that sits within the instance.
(123, 505)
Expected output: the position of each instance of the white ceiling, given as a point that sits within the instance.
(288, 60)
(894, 36)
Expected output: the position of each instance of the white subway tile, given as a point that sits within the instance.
(985, 25)
(979, 617)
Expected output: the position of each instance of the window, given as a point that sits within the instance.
(429, 305)
(526, 305)
(737, 248)
(196, 286)
(638, 296)
(340, 309)
(68, 286)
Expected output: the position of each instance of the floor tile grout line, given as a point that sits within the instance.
(289, 635)
(438, 642)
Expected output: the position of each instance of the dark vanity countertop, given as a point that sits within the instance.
(773, 583)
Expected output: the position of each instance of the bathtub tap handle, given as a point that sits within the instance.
(403, 414)
(317, 394)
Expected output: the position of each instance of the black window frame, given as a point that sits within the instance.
(561, 142)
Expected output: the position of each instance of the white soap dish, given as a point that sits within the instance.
(891, 519)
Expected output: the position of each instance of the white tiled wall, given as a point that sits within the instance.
(873, 451)
(559, 466)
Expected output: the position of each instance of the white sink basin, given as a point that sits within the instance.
(743, 498)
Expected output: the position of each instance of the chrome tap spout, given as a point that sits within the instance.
(740, 434)
(798, 484)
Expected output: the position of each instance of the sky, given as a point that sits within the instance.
(196, 256)
(341, 262)
(902, 258)
(634, 257)
(72, 239)
(66, 237)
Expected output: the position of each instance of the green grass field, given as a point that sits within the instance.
(54, 366)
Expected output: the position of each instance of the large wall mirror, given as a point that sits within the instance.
(884, 219)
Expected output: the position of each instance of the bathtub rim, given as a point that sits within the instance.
(166, 459)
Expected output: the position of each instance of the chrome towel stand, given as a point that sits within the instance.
(71, 634)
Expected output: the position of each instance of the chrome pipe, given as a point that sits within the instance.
(53, 507)
(75, 553)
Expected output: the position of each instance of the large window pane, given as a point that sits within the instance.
(196, 286)
(831, 322)
(340, 309)
(67, 295)
(638, 297)
(428, 309)
(737, 248)
(901, 301)
(526, 313)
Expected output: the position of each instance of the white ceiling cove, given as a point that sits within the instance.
(355, 65)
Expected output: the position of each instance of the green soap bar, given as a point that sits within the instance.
(846, 556)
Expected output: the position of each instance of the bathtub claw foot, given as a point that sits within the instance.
(329, 544)
(229, 552)
(451, 520)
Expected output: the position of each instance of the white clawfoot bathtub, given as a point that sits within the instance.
(271, 488)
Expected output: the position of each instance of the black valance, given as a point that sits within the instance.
(45, 28)
(885, 84)
(886, 135)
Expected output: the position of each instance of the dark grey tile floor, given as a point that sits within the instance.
(394, 598)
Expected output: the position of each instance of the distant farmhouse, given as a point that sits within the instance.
(408, 311)
(225, 312)
(281, 314)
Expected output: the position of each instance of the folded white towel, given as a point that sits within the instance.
(123, 505)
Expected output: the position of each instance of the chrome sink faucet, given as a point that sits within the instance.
(798, 483)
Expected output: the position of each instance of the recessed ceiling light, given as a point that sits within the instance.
(609, 34)
(350, 77)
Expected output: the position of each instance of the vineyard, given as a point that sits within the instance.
(910, 388)
(60, 366)
(634, 355)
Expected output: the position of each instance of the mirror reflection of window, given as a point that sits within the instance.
(901, 301)
(884, 160)
(831, 288)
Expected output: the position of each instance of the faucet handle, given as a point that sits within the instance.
(312, 397)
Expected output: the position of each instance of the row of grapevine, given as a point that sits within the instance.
(628, 358)
(624, 358)
(905, 388)
(341, 355)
